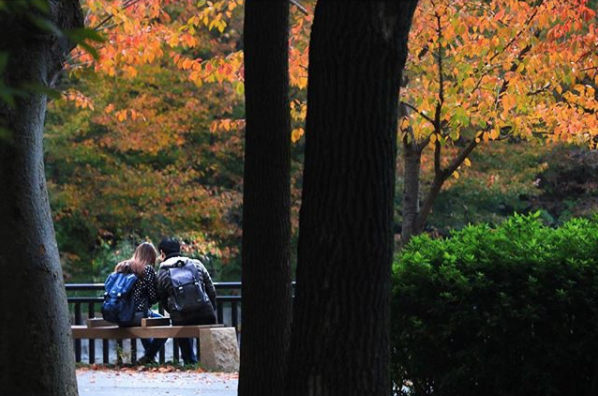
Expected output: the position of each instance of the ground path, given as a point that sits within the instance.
(153, 382)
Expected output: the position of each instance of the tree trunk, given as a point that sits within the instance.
(340, 337)
(422, 218)
(36, 353)
(440, 177)
(412, 160)
(266, 271)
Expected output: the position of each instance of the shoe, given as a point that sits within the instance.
(145, 360)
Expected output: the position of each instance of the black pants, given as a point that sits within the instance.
(186, 344)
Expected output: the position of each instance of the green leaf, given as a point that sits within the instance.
(81, 35)
(91, 50)
(41, 89)
(45, 24)
(240, 89)
(41, 5)
(3, 60)
(5, 134)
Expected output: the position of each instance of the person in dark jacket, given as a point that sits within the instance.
(145, 294)
(170, 252)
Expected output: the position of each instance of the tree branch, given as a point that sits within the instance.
(437, 156)
(440, 78)
(539, 90)
(425, 117)
(109, 17)
(405, 113)
(299, 7)
(460, 158)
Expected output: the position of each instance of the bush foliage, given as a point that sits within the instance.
(505, 311)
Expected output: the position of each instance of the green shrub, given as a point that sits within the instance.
(505, 311)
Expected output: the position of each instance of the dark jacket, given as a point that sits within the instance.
(165, 289)
(145, 290)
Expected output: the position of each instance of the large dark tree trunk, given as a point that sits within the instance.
(266, 201)
(36, 353)
(340, 339)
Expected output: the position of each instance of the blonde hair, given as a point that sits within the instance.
(144, 255)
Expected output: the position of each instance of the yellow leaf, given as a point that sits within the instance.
(467, 162)
(404, 124)
(508, 102)
(130, 71)
(456, 175)
(495, 133)
(296, 135)
(187, 64)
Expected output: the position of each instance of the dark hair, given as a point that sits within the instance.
(169, 246)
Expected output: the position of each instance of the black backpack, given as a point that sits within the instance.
(188, 291)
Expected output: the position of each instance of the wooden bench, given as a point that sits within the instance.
(97, 328)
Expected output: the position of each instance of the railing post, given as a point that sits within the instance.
(106, 351)
(92, 343)
(235, 315)
(133, 350)
(77, 342)
(220, 311)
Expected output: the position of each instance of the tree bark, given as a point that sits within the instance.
(412, 160)
(440, 177)
(266, 271)
(420, 221)
(340, 336)
(36, 353)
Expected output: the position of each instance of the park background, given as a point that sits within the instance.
(147, 141)
(145, 134)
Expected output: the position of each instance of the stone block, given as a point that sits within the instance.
(219, 350)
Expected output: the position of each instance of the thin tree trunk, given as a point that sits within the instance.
(266, 272)
(420, 221)
(340, 339)
(440, 177)
(412, 160)
(36, 353)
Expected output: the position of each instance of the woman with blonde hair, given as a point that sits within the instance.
(144, 294)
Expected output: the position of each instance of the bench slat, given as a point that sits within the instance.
(98, 322)
(118, 333)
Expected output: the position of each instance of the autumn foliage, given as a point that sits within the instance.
(147, 140)
(505, 69)
(153, 123)
(484, 70)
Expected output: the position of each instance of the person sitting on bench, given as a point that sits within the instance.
(144, 294)
(186, 291)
